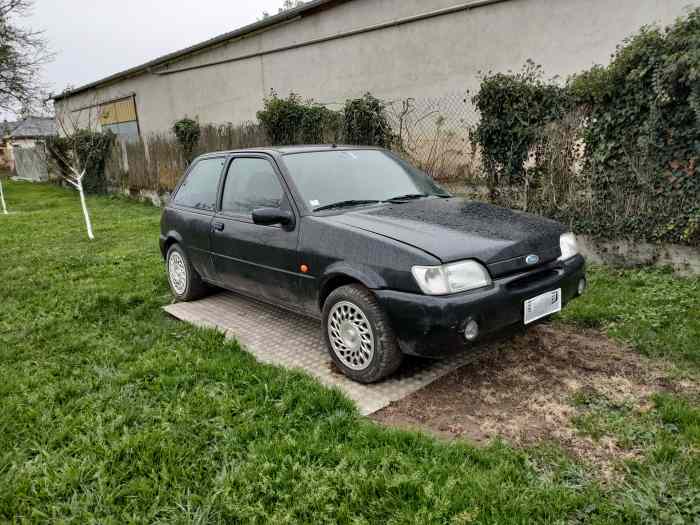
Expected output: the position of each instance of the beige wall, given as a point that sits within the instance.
(428, 58)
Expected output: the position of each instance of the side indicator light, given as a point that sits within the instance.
(304, 268)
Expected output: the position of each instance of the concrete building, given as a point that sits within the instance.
(331, 50)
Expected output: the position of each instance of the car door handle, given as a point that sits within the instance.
(218, 226)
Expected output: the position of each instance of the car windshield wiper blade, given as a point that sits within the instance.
(345, 204)
(409, 197)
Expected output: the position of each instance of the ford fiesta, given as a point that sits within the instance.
(390, 262)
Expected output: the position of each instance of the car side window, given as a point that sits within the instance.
(200, 187)
(251, 184)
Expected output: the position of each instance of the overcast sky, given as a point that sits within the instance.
(95, 38)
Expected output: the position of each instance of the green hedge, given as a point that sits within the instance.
(292, 120)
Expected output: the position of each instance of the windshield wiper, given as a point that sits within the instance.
(345, 204)
(409, 197)
(416, 196)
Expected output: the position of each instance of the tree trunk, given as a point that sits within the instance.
(86, 214)
(2, 200)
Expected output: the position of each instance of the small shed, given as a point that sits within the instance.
(23, 150)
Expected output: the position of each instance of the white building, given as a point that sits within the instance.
(331, 50)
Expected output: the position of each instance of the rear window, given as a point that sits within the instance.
(200, 187)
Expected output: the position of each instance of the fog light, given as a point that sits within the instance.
(471, 332)
(582, 284)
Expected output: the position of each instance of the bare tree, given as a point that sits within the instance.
(22, 53)
(286, 6)
(73, 150)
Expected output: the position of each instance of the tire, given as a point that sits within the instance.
(185, 283)
(359, 336)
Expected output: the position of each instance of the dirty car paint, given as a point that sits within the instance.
(377, 245)
(456, 229)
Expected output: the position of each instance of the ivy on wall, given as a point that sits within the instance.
(638, 120)
(514, 108)
(643, 129)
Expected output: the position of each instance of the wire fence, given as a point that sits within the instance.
(433, 133)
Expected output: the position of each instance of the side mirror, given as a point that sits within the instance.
(272, 216)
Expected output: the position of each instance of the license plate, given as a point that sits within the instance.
(543, 305)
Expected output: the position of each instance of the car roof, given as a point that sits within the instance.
(286, 150)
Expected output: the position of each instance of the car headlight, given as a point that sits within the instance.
(451, 278)
(569, 246)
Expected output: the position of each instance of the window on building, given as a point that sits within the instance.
(200, 188)
(119, 117)
(251, 184)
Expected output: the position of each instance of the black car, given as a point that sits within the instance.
(357, 237)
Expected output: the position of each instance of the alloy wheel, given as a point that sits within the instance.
(350, 335)
(177, 273)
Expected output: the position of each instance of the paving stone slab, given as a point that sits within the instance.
(283, 338)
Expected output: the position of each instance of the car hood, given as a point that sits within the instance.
(456, 229)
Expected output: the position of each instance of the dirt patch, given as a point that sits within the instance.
(521, 390)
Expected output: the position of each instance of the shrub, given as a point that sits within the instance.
(281, 118)
(292, 120)
(366, 122)
(320, 125)
(187, 132)
(514, 108)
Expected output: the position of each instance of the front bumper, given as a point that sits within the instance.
(434, 326)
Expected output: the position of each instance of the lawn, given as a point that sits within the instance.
(112, 412)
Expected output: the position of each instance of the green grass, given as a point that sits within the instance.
(658, 314)
(650, 309)
(113, 413)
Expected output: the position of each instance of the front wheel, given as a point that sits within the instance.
(358, 335)
(185, 282)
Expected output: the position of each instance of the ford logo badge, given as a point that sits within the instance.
(532, 259)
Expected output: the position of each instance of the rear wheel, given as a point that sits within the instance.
(358, 335)
(185, 282)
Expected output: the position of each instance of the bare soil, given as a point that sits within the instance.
(521, 390)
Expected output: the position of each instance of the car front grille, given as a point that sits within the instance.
(519, 264)
(532, 279)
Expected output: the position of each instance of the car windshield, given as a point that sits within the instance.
(355, 177)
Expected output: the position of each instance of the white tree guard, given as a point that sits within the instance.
(76, 180)
(2, 200)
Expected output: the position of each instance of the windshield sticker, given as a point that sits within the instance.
(314, 203)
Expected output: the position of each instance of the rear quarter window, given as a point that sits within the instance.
(199, 189)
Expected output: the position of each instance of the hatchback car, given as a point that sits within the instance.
(357, 237)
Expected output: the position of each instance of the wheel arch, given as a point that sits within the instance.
(168, 240)
(343, 275)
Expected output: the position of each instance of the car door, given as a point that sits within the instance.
(261, 261)
(192, 209)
